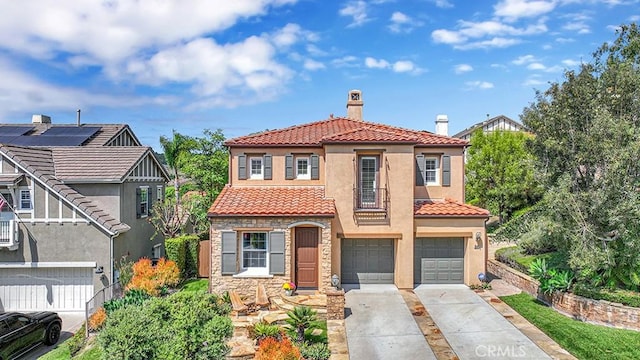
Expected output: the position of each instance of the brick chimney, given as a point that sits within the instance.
(442, 125)
(354, 105)
(40, 119)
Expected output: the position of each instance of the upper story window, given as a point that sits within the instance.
(433, 170)
(303, 168)
(159, 192)
(255, 167)
(143, 202)
(25, 200)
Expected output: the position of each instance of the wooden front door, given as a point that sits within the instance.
(307, 257)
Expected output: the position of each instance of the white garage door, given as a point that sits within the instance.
(49, 288)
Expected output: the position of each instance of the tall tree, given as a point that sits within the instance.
(588, 145)
(175, 150)
(500, 173)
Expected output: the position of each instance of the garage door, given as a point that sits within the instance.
(55, 289)
(439, 261)
(367, 261)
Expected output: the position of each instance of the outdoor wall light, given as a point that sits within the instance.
(482, 277)
(478, 240)
(99, 270)
(335, 281)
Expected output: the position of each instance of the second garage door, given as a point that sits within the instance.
(367, 261)
(53, 289)
(439, 261)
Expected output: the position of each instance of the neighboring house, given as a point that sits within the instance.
(499, 122)
(369, 202)
(78, 200)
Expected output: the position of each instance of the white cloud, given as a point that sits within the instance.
(462, 68)
(571, 63)
(345, 61)
(634, 18)
(403, 66)
(357, 10)
(485, 34)
(443, 4)
(375, 63)
(291, 34)
(515, 9)
(480, 85)
(524, 59)
(401, 22)
(578, 26)
(563, 40)
(313, 65)
(536, 66)
(533, 80)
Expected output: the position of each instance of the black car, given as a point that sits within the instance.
(19, 333)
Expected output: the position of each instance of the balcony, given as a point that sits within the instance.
(370, 205)
(8, 234)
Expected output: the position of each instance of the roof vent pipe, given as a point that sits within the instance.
(78, 117)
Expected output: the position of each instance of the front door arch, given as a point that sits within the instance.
(306, 252)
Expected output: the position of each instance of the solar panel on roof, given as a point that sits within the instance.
(71, 131)
(48, 140)
(12, 130)
(7, 140)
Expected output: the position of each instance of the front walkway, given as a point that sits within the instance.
(380, 325)
(472, 327)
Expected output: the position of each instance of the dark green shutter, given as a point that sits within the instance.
(420, 170)
(267, 167)
(315, 167)
(149, 199)
(138, 200)
(288, 167)
(229, 249)
(242, 166)
(276, 253)
(446, 170)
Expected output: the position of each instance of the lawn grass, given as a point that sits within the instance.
(585, 341)
(194, 285)
(514, 257)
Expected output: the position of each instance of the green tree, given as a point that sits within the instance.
(588, 145)
(208, 162)
(175, 150)
(500, 172)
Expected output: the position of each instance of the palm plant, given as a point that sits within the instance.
(300, 319)
(174, 149)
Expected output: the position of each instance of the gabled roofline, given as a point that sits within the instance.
(127, 129)
(155, 160)
(18, 164)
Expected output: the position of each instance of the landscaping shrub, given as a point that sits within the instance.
(131, 297)
(184, 251)
(551, 280)
(316, 351)
(192, 244)
(154, 279)
(262, 330)
(190, 325)
(76, 342)
(125, 271)
(272, 349)
(177, 251)
(300, 319)
(97, 319)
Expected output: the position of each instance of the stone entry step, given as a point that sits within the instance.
(285, 306)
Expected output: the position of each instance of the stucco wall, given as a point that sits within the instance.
(273, 283)
(456, 190)
(107, 195)
(278, 166)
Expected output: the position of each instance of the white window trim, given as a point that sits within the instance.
(144, 188)
(437, 170)
(253, 176)
(254, 271)
(306, 176)
(20, 209)
(159, 192)
(156, 250)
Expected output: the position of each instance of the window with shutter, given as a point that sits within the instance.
(446, 170)
(229, 250)
(242, 166)
(315, 167)
(267, 167)
(419, 170)
(288, 167)
(276, 252)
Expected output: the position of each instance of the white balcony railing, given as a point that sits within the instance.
(8, 234)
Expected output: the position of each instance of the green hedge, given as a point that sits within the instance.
(624, 297)
(184, 251)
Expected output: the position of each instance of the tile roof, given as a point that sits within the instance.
(272, 201)
(39, 162)
(342, 130)
(100, 138)
(448, 207)
(107, 163)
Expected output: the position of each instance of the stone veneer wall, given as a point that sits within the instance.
(246, 286)
(599, 312)
(335, 304)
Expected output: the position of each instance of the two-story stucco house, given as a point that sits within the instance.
(369, 202)
(75, 199)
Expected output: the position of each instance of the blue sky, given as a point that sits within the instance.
(249, 65)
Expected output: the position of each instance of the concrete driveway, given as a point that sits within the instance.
(472, 327)
(380, 326)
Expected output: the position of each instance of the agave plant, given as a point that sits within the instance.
(301, 318)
